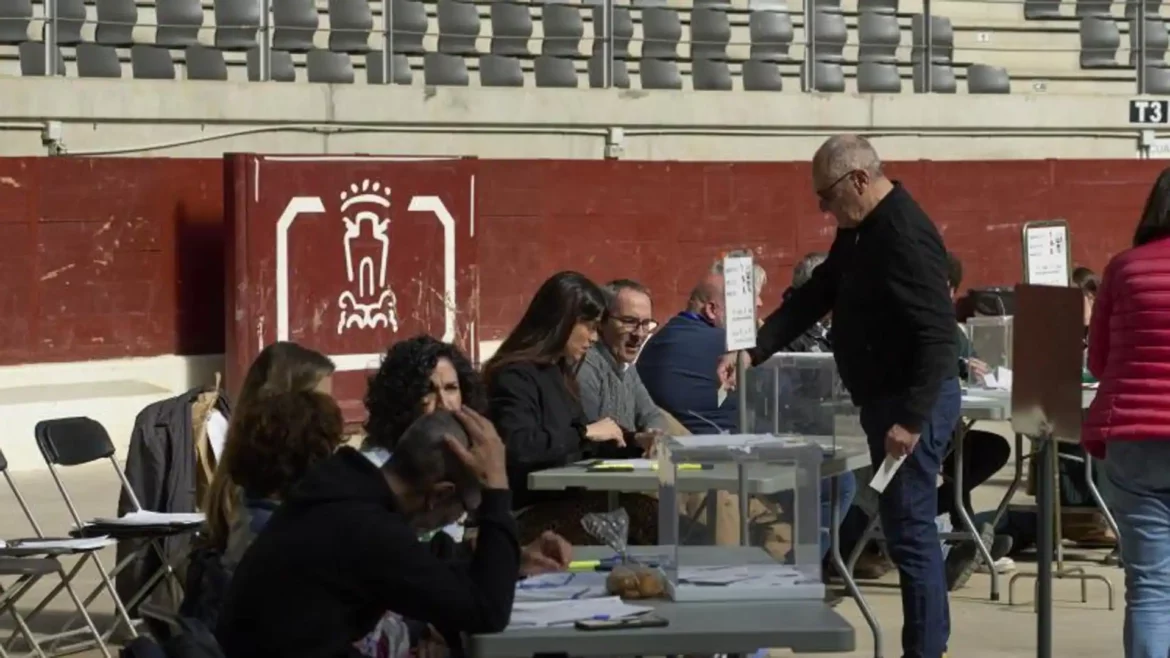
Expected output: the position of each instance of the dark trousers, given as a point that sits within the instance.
(984, 453)
(908, 507)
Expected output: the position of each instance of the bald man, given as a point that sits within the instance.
(893, 336)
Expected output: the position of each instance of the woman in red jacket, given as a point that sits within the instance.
(1128, 424)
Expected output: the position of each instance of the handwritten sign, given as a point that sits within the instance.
(1046, 253)
(739, 302)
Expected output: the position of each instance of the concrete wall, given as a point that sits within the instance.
(206, 119)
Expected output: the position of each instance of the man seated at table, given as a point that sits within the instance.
(675, 368)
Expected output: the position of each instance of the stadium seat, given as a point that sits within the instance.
(95, 61)
(458, 29)
(984, 79)
(205, 63)
(710, 75)
(295, 23)
(661, 33)
(1158, 80)
(327, 67)
(115, 22)
(1093, 8)
(942, 39)
(830, 35)
(878, 77)
(659, 74)
(511, 29)
(376, 69)
(710, 34)
(878, 6)
(771, 34)
(760, 75)
(236, 24)
(411, 24)
(70, 18)
(621, 72)
(555, 72)
(443, 69)
(178, 22)
(827, 77)
(350, 23)
(942, 79)
(1041, 10)
(1156, 42)
(1100, 41)
(563, 30)
(151, 63)
(878, 37)
(1153, 8)
(32, 59)
(15, 17)
(500, 71)
(281, 67)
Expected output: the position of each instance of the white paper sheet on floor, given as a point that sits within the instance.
(146, 517)
(540, 614)
(562, 586)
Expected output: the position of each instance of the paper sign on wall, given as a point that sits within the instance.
(1046, 253)
(739, 302)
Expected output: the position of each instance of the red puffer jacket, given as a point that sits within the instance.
(1129, 350)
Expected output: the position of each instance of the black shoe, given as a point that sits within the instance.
(964, 556)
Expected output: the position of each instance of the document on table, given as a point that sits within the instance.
(50, 544)
(562, 586)
(146, 517)
(755, 574)
(540, 614)
(885, 473)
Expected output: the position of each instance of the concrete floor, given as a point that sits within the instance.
(980, 628)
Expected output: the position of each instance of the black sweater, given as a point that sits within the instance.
(893, 331)
(337, 555)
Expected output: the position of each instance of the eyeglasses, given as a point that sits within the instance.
(634, 324)
(823, 193)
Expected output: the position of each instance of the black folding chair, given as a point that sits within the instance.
(75, 441)
(30, 561)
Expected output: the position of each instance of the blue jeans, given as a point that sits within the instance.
(908, 508)
(1137, 489)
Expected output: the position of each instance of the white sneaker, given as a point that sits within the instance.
(1002, 565)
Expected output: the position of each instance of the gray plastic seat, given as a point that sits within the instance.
(1153, 8)
(410, 26)
(1158, 80)
(771, 34)
(878, 6)
(151, 63)
(511, 29)
(830, 35)
(32, 59)
(15, 17)
(500, 71)
(445, 70)
(1041, 10)
(94, 61)
(1100, 40)
(827, 77)
(661, 33)
(115, 22)
(1096, 8)
(70, 18)
(710, 75)
(1157, 41)
(563, 30)
(178, 23)
(874, 77)
(376, 69)
(556, 72)
(350, 22)
(984, 79)
(621, 72)
(327, 67)
(236, 24)
(942, 39)
(295, 23)
(710, 33)
(623, 31)
(760, 75)
(878, 37)
(659, 74)
(458, 28)
(280, 65)
(942, 79)
(205, 63)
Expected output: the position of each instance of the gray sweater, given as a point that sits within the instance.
(611, 390)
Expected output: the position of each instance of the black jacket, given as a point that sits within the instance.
(893, 331)
(338, 554)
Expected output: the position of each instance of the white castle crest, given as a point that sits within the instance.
(369, 302)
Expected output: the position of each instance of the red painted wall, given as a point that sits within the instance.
(109, 258)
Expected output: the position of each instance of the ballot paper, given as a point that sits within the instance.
(540, 614)
(146, 517)
(49, 544)
(999, 379)
(885, 473)
(562, 586)
(755, 574)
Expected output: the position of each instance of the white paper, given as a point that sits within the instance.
(562, 586)
(217, 426)
(885, 473)
(739, 302)
(753, 574)
(79, 544)
(1047, 249)
(636, 464)
(146, 517)
(999, 379)
(734, 441)
(538, 614)
(720, 397)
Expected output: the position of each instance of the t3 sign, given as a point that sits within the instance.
(1149, 111)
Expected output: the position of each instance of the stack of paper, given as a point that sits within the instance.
(562, 586)
(540, 614)
(756, 575)
(47, 544)
(146, 517)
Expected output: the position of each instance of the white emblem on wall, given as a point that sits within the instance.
(369, 302)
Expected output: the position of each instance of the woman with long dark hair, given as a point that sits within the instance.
(534, 402)
(1128, 424)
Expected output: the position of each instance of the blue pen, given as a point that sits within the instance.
(600, 617)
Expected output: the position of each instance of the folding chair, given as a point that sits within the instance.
(75, 441)
(31, 561)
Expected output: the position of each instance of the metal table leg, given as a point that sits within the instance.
(846, 573)
(964, 516)
(1096, 493)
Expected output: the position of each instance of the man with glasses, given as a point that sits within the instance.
(885, 282)
(609, 386)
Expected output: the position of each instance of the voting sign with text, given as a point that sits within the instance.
(739, 302)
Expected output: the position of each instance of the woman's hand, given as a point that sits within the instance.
(549, 553)
(605, 430)
(485, 458)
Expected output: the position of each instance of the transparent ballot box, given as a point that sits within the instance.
(777, 480)
(991, 339)
(801, 395)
